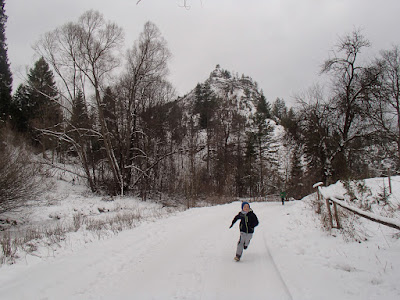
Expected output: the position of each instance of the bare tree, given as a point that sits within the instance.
(383, 103)
(351, 82)
(316, 133)
(391, 74)
(83, 54)
(142, 86)
(346, 75)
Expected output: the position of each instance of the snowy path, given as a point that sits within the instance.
(187, 256)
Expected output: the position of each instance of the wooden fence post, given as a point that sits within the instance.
(328, 206)
(336, 215)
(318, 185)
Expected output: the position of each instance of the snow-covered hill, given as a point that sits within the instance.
(231, 138)
(189, 255)
(238, 94)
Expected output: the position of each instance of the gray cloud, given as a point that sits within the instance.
(279, 43)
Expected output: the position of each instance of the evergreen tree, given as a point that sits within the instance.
(85, 145)
(290, 123)
(109, 107)
(21, 110)
(80, 117)
(261, 124)
(250, 158)
(5, 73)
(279, 109)
(262, 137)
(43, 90)
(296, 175)
(206, 104)
(79, 122)
(35, 103)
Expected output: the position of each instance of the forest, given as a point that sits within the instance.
(114, 120)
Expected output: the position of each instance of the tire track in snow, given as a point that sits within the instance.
(263, 211)
(276, 269)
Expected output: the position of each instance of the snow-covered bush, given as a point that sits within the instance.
(19, 176)
(77, 221)
(8, 248)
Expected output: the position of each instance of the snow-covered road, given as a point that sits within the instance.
(190, 256)
(187, 256)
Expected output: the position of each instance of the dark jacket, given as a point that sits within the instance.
(247, 221)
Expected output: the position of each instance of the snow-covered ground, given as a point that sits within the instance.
(189, 255)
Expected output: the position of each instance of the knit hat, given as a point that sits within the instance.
(244, 203)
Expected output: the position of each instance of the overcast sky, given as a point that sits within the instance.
(279, 43)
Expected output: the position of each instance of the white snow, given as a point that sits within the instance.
(189, 255)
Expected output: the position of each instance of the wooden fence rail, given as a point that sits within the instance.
(370, 216)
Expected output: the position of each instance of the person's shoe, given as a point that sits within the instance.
(237, 258)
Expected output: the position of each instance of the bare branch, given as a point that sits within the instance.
(43, 162)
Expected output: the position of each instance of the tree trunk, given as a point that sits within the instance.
(107, 144)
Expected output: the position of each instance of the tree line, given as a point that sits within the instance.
(353, 130)
(117, 115)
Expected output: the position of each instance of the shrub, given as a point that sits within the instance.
(8, 247)
(19, 175)
(77, 221)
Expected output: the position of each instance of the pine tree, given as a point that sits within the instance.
(205, 105)
(85, 145)
(279, 109)
(79, 124)
(35, 104)
(80, 117)
(296, 174)
(109, 107)
(290, 122)
(263, 109)
(262, 136)
(21, 110)
(250, 158)
(44, 95)
(5, 73)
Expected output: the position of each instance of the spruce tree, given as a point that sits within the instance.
(263, 109)
(290, 123)
(21, 110)
(44, 95)
(262, 136)
(205, 104)
(5, 73)
(35, 103)
(296, 174)
(79, 124)
(80, 120)
(279, 110)
(250, 173)
(109, 107)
